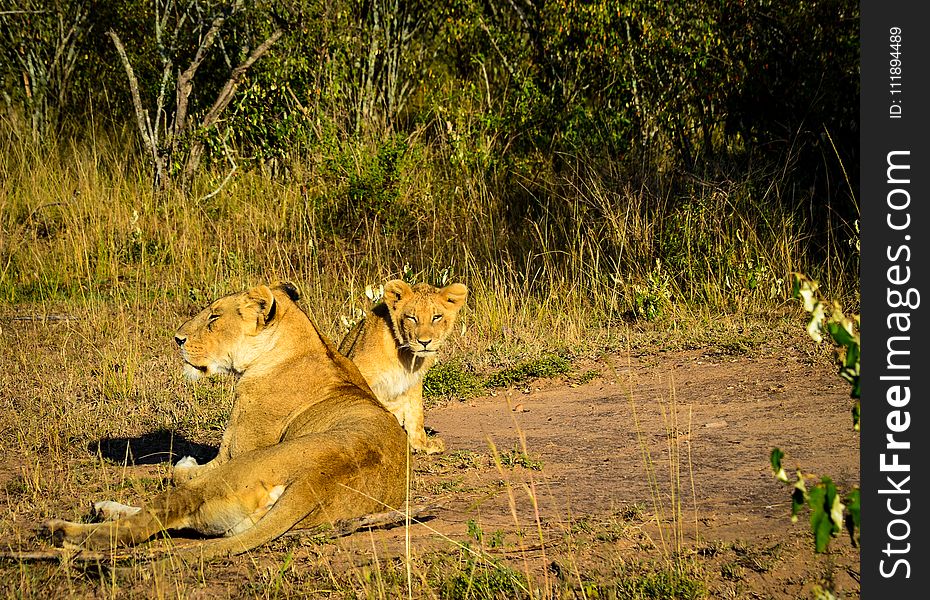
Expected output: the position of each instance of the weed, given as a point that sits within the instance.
(653, 297)
(474, 579)
(731, 571)
(516, 457)
(757, 558)
(638, 581)
(548, 365)
(451, 379)
(586, 377)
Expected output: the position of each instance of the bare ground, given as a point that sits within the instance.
(570, 486)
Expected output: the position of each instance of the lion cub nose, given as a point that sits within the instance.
(180, 339)
(425, 343)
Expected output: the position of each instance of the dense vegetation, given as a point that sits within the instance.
(620, 155)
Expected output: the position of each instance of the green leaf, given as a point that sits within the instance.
(826, 513)
(852, 357)
(852, 516)
(806, 290)
(855, 409)
(821, 526)
(841, 331)
(798, 498)
(775, 460)
(814, 326)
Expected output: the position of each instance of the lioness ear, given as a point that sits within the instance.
(262, 301)
(454, 295)
(288, 288)
(395, 291)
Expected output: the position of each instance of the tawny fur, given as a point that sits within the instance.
(307, 443)
(398, 342)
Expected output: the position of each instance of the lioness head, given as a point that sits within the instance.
(228, 335)
(422, 316)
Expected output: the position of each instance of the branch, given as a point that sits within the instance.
(384, 520)
(229, 90)
(185, 80)
(142, 117)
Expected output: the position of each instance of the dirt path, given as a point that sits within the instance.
(585, 463)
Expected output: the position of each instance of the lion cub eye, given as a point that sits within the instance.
(437, 318)
(411, 318)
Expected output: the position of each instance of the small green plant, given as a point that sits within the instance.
(518, 458)
(548, 365)
(829, 512)
(652, 298)
(586, 377)
(451, 379)
(679, 580)
(477, 577)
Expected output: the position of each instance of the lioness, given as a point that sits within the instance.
(396, 345)
(306, 443)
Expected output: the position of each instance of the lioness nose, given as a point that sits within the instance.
(180, 339)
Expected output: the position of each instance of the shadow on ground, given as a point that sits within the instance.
(161, 446)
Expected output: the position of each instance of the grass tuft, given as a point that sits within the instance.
(548, 365)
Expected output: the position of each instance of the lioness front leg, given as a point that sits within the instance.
(413, 424)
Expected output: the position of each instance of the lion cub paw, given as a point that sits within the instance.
(432, 446)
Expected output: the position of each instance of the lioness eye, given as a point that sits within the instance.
(437, 318)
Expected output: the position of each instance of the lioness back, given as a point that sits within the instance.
(397, 343)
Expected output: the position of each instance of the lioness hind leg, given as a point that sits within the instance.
(170, 510)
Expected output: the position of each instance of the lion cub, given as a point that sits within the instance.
(397, 343)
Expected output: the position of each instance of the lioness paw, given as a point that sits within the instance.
(184, 469)
(53, 530)
(107, 510)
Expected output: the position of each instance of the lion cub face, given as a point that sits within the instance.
(226, 336)
(422, 316)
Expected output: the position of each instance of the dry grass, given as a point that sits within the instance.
(96, 272)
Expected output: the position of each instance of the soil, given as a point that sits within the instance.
(597, 462)
(572, 484)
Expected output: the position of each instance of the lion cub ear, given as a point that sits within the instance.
(396, 291)
(453, 295)
(261, 300)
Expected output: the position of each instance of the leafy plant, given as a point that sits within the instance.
(652, 298)
(548, 365)
(451, 380)
(518, 458)
(829, 513)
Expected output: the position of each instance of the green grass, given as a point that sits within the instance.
(547, 365)
(515, 457)
(455, 379)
